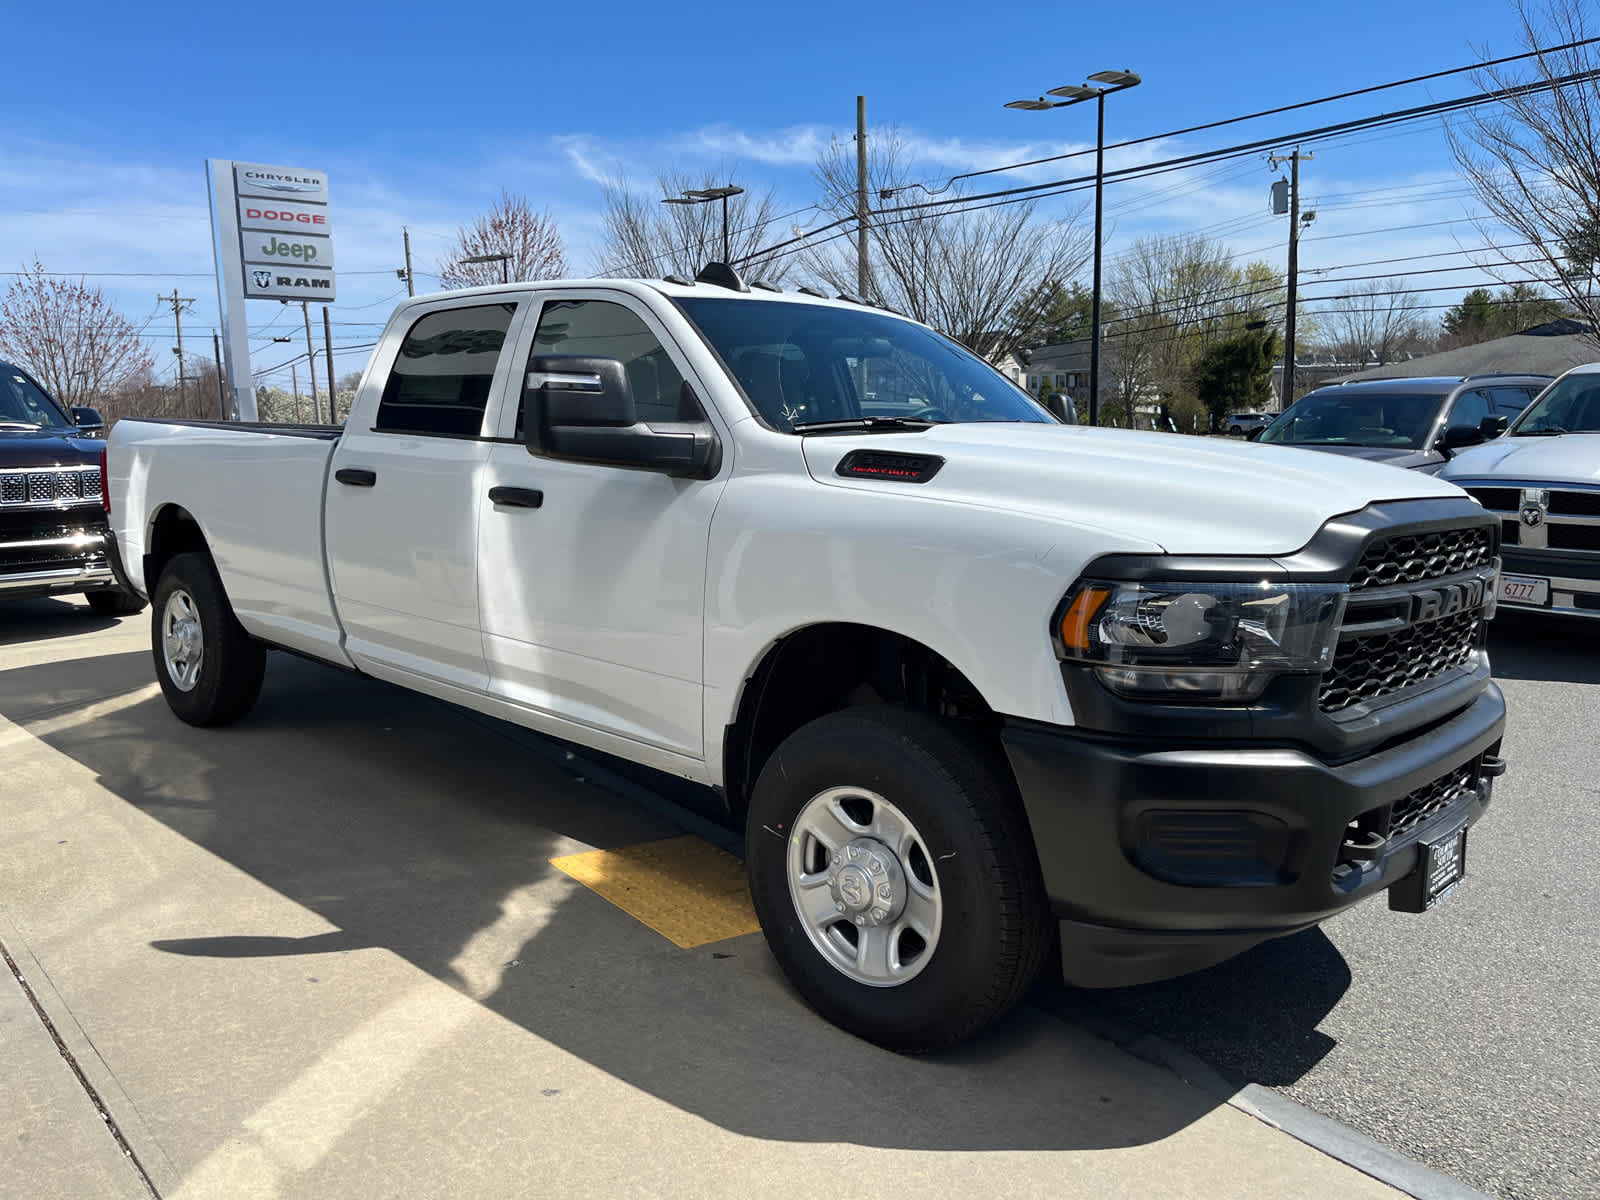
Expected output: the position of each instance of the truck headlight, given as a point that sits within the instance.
(1180, 640)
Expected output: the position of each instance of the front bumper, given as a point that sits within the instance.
(68, 561)
(1574, 580)
(1162, 858)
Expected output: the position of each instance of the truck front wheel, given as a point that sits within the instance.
(210, 669)
(894, 876)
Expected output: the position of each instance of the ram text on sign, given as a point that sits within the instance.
(289, 282)
(286, 249)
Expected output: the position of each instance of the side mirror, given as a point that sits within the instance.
(582, 408)
(1060, 409)
(1492, 427)
(88, 419)
(1458, 436)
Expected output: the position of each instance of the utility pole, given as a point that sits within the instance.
(177, 303)
(411, 282)
(222, 395)
(327, 346)
(311, 366)
(1294, 160)
(294, 382)
(863, 276)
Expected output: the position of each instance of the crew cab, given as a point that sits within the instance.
(1542, 482)
(973, 682)
(52, 516)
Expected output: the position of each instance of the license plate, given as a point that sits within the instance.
(1525, 589)
(1442, 864)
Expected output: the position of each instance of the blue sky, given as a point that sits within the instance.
(421, 113)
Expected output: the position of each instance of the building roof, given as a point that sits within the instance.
(1059, 357)
(1547, 349)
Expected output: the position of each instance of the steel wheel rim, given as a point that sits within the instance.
(182, 640)
(864, 887)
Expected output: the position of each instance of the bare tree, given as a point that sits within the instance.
(70, 337)
(1379, 318)
(1176, 296)
(140, 395)
(646, 239)
(1534, 158)
(962, 268)
(511, 227)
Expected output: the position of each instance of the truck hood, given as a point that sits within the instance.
(1567, 458)
(1394, 456)
(47, 448)
(1187, 495)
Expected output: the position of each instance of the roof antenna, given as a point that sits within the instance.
(722, 275)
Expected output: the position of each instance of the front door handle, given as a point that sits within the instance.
(515, 497)
(356, 476)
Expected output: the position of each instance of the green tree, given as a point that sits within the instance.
(1471, 317)
(1234, 373)
(1482, 315)
(1054, 312)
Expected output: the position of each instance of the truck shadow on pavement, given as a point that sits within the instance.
(1557, 650)
(409, 827)
(43, 618)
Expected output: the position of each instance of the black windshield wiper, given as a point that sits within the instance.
(1547, 431)
(28, 425)
(865, 424)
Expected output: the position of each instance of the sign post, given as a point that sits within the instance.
(273, 240)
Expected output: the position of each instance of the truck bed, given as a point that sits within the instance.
(255, 490)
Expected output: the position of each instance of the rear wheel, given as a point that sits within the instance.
(114, 602)
(894, 876)
(210, 669)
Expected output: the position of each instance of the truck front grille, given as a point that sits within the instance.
(1415, 557)
(1417, 807)
(1539, 518)
(1394, 637)
(1371, 667)
(53, 487)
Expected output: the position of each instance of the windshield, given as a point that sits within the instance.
(803, 363)
(1569, 405)
(1336, 417)
(24, 403)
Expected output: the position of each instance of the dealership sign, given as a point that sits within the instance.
(273, 239)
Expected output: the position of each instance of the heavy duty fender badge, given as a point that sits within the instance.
(888, 464)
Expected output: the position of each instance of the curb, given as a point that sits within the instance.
(1332, 1138)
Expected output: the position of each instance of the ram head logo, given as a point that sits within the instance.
(262, 278)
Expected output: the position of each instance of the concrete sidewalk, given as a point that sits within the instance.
(324, 954)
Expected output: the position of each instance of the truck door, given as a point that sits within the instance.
(593, 601)
(404, 498)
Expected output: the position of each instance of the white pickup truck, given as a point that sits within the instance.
(1542, 480)
(973, 682)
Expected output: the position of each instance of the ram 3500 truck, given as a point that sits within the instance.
(972, 681)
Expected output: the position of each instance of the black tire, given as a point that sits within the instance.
(231, 662)
(1235, 430)
(114, 602)
(959, 795)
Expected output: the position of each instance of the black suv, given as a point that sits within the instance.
(52, 519)
(1413, 423)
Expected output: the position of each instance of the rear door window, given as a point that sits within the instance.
(440, 380)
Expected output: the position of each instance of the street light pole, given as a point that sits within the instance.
(502, 258)
(1110, 81)
(705, 195)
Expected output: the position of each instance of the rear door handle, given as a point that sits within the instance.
(515, 497)
(356, 476)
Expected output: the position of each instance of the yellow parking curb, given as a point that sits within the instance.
(687, 890)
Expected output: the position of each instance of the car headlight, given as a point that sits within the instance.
(1180, 640)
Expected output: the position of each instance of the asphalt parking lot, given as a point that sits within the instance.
(325, 953)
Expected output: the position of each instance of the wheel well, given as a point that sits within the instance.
(174, 532)
(824, 668)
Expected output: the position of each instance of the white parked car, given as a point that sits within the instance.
(1541, 479)
(971, 680)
